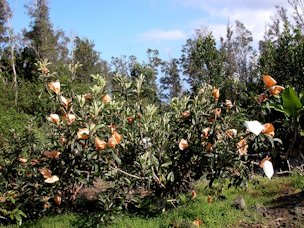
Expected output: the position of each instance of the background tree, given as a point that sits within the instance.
(237, 53)
(282, 52)
(298, 13)
(243, 51)
(170, 82)
(150, 91)
(281, 55)
(201, 61)
(89, 58)
(4, 15)
(240, 64)
(227, 52)
(120, 71)
(121, 64)
(154, 60)
(62, 46)
(11, 45)
(128, 68)
(41, 36)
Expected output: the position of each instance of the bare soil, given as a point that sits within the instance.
(286, 210)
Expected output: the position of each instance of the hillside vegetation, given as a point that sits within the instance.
(69, 120)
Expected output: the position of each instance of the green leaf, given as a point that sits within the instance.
(12, 200)
(279, 108)
(166, 164)
(301, 96)
(291, 101)
(99, 126)
(127, 180)
(117, 159)
(18, 218)
(170, 176)
(22, 214)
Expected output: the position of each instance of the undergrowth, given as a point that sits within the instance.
(218, 213)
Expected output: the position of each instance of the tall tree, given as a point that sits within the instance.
(284, 58)
(281, 56)
(298, 13)
(170, 82)
(62, 42)
(88, 57)
(201, 61)
(282, 50)
(149, 86)
(238, 53)
(5, 14)
(274, 29)
(11, 43)
(121, 65)
(47, 43)
(154, 60)
(227, 52)
(128, 69)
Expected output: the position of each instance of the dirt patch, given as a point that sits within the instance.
(287, 211)
(284, 211)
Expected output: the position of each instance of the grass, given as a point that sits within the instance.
(219, 213)
(60, 221)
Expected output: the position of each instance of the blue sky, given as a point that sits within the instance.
(130, 27)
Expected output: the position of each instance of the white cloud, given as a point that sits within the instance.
(255, 14)
(158, 35)
(218, 30)
(232, 4)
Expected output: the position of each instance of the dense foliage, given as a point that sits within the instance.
(80, 119)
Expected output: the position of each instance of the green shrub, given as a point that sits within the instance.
(15, 175)
(147, 156)
(11, 119)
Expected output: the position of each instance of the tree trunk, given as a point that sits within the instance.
(11, 41)
(14, 71)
